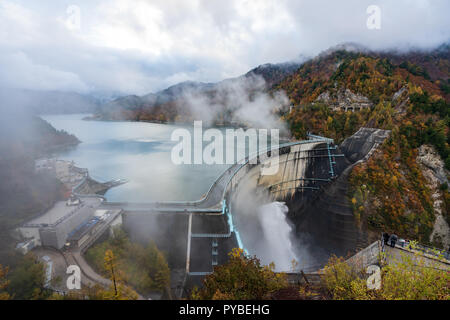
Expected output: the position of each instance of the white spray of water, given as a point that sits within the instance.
(277, 235)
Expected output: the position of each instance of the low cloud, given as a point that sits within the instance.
(140, 46)
(18, 71)
(241, 100)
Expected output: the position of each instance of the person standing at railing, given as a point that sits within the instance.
(385, 237)
(393, 240)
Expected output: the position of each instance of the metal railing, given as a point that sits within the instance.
(419, 247)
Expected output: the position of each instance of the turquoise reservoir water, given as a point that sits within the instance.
(136, 151)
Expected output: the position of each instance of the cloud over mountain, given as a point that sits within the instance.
(144, 46)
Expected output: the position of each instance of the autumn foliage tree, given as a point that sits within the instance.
(27, 279)
(408, 277)
(117, 290)
(242, 278)
(144, 267)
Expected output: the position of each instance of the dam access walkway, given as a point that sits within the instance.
(210, 203)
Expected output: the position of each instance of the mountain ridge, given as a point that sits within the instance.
(169, 105)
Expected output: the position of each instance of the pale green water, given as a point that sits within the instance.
(136, 151)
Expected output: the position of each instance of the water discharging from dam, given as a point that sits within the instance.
(277, 233)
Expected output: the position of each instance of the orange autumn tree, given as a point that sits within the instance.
(117, 290)
(242, 278)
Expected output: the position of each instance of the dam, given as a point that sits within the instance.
(312, 181)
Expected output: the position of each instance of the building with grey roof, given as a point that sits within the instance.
(53, 227)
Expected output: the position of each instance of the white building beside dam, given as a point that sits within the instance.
(62, 222)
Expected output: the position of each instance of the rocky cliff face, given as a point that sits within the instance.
(433, 165)
(435, 174)
(400, 100)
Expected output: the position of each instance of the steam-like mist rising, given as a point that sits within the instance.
(242, 100)
(277, 233)
(265, 229)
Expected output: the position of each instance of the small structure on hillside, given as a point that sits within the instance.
(344, 100)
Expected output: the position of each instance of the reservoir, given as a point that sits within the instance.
(139, 152)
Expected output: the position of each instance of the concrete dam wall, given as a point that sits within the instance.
(327, 216)
(312, 181)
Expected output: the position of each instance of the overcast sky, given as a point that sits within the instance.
(142, 46)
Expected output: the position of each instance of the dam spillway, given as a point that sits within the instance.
(303, 170)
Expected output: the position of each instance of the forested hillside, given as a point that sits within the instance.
(335, 94)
